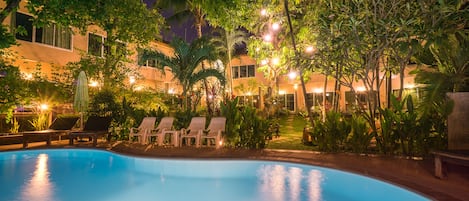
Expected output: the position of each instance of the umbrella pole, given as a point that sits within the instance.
(81, 120)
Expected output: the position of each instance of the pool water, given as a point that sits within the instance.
(88, 175)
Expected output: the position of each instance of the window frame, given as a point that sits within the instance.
(32, 32)
(243, 71)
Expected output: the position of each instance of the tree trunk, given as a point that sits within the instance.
(303, 85)
(198, 25)
(324, 101)
(11, 6)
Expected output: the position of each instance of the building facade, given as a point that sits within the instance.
(250, 84)
(49, 49)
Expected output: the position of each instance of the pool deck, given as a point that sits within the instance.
(413, 174)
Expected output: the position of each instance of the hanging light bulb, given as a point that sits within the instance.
(292, 74)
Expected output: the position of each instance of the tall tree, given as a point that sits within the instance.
(225, 43)
(185, 62)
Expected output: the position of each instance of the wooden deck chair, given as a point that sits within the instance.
(95, 127)
(60, 126)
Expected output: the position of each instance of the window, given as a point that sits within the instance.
(251, 71)
(53, 35)
(243, 71)
(352, 102)
(290, 98)
(235, 71)
(149, 62)
(95, 44)
(24, 21)
(252, 100)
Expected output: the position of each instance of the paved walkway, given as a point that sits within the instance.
(416, 175)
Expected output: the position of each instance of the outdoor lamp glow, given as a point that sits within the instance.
(292, 75)
(131, 79)
(93, 83)
(267, 38)
(138, 88)
(309, 49)
(275, 26)
(44, 107)
(318, 90)
(275, 60)
(263, 12)
(28, 76)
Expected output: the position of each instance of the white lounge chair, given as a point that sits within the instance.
(193, 131)
(140, 132)
(166, 124)
(215, 131)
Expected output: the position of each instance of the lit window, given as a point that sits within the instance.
(243, 71)
(53, 35)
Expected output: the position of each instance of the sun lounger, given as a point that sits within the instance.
(166, 124)
(193, 131)
(60, 126)
(94, 127)
(215, 131)
(140, 133)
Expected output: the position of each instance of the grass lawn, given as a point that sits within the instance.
(291, 132)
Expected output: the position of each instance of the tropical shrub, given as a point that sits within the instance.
(253, 129)
(229, 109)
(359, 139)
(331, 134)
(10, 87)
(41, 122)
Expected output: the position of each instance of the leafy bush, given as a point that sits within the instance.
(253, 129)
(331, 134)
(245, 127)
(359, 139)
(229, 109)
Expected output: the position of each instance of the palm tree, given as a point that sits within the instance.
(184, 9)
(185, 62)
(225, 42)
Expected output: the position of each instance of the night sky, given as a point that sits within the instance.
(185, 30)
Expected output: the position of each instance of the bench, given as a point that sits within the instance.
(442, 158)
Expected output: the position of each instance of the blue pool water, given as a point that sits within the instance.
(88, 175)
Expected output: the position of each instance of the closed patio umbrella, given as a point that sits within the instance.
(81, 100)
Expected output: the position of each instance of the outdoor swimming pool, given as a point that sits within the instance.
(83, 174)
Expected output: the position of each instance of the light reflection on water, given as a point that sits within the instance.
(39, 186)
(315, 178)
(278, 181)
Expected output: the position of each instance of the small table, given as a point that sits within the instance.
(174, 137)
